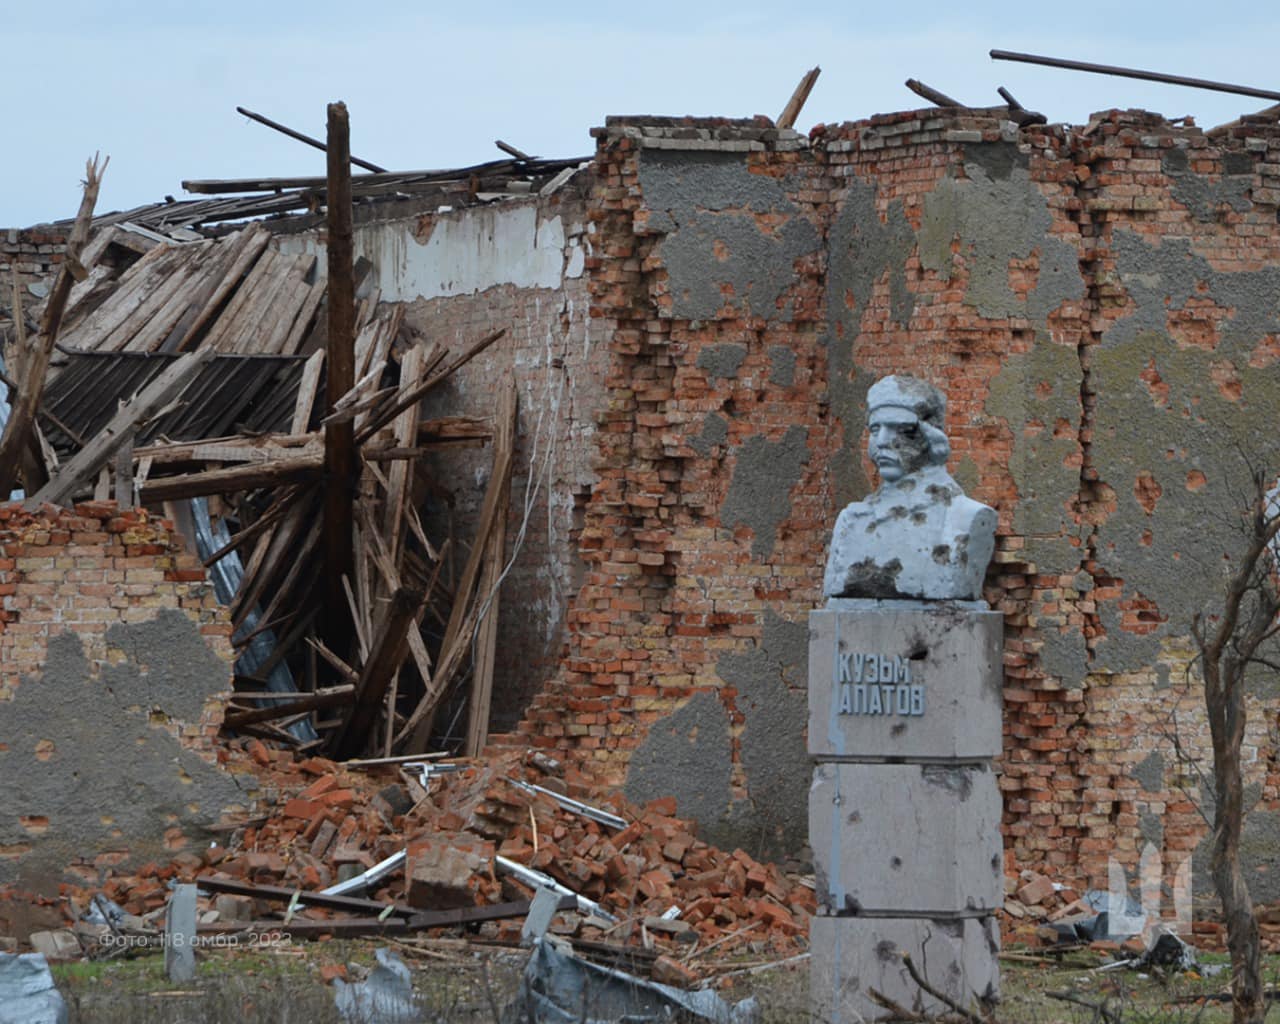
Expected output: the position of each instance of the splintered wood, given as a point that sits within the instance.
(251, 294)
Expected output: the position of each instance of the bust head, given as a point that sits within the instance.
(918, 537)
(906, 417)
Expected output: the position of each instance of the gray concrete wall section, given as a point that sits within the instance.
(770, 681)
(861, 249)
(1177, 417)
(715, 431)
(852, 955)
(782, 366)
(953, 653)
(687, 755)
(1204, 198)
(897, 839)
(1259, 841)
(715, 252)
(759, 494)
(87, 763)
(998, 213)
(722, 360)
(1037, 393)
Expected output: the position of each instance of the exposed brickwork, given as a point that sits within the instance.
(1098, 302)
(34, 253)
(85, 569)
(115, 665)
(556, 354)
(1095, 649)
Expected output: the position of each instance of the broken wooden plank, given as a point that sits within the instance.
(465, 614)
(35, 360)
(345, 670)
(415, 394)
(307, 388)
(158, 319)
(273, 549)
(385, 656)
(352, 927)
(791, 111)
(297, 587)
(252, 241)
(340, 459)
(490, 167)
(124, 473)
(132, 288)
(938, 99)
(236, 448)
(162, 303)
(145, 404)
(405, 428)
(230, 321)
(490, 579)
(329, 697)
(248, 476)
(306, 317)
(309, 928)
(294, 134)
(277, 893)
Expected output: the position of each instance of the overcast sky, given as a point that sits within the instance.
(155, 85)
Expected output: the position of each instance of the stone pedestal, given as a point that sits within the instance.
(904, 812)
(958, 957)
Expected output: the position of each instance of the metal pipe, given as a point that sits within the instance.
(362, 881)
(1148, 76)
(570, 804)
(286, 130)
(535, 879)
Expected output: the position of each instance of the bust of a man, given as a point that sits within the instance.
(917, 536)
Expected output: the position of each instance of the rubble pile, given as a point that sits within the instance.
(640, 875)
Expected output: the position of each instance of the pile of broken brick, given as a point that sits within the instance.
(479, 839)
(1039, 912)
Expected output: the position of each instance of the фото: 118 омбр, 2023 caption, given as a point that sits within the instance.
(222, 940)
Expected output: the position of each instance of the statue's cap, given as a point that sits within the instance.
(906, 392)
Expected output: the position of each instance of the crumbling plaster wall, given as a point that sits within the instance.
(517, 265)
(685, 672)
(1101, 307)
(114, 668)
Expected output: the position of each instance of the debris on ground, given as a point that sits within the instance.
(561, 988)
(384, 997)
(367, 849)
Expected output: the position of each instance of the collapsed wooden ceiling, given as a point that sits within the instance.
(190, 375)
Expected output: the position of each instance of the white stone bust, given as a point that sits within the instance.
(917, 536)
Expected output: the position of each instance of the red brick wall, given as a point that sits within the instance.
(115, 663)
(34, 253)
(84, 569)
(1097, 303)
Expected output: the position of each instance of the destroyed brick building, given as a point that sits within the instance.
(692, 317)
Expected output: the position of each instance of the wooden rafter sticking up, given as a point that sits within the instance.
(787, 119)
(35, 360)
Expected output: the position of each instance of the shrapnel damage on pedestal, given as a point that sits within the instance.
(905, 709)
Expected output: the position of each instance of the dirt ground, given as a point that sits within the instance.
(288, 983)
(457, 983)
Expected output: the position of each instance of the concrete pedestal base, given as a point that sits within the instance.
(905, 709)
(850, 956)
(906, 838)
